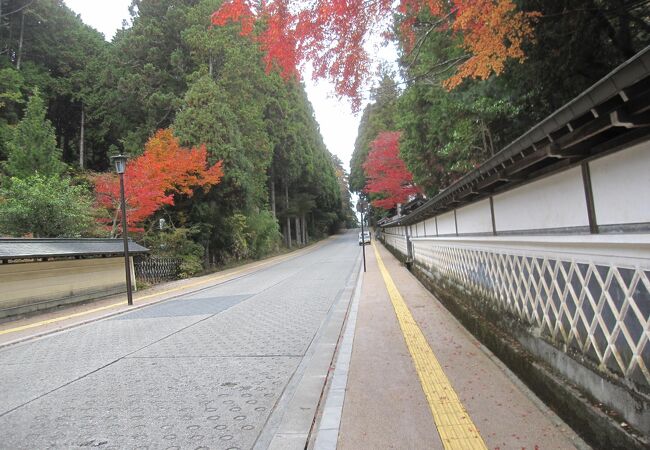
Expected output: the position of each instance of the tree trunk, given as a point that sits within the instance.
(298, 232)
(20, 40)
(273, 199)
(286, 203)
(115, 223)
(210, 64)
(272, 189)
(81, 138)
(304, 230)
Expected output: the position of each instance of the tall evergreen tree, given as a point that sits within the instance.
(33, 148)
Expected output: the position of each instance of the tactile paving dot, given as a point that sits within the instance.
(190, 421)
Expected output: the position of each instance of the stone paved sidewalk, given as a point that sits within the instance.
(385, 406)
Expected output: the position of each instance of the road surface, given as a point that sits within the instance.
(216, 368)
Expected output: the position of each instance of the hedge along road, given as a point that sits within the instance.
(213, 368)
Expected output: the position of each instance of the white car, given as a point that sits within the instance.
(364, 238)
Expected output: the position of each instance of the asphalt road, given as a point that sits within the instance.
(208, 369)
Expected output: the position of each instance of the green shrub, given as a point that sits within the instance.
(177, 243)
(239, 236)
(263, 234)
(190, 266)
(46, 206)
(252, 236)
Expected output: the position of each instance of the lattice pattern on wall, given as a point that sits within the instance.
(397, 241)
(601, 311)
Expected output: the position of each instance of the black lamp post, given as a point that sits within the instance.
(361, 206)
(120, 166)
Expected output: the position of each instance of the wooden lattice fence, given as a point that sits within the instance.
(153, 269)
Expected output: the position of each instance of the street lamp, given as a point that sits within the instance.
(361, 206)
(120, 167)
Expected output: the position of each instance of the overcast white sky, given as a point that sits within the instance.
(337, 123)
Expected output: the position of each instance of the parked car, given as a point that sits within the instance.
(364, 238)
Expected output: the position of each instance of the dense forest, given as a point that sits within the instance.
(446, 133)
(226, 158)
(178, 96)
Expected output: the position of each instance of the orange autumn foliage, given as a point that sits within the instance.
(151, 180)
(493, 31)
(330, 34)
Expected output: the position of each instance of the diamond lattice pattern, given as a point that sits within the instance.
(599, 311)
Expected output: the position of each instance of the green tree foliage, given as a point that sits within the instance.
(32, 147)
(145, 75)
(252, 236)
(577, 42)
(170, 68)
(61, 56)
(346, 213)
(264, 130)
(45, 206)
(11, 103)
(223, 108)
(263, 235)
(238, 248)
(177, 243)
(448, 133)
(205, 118)
(11, 83)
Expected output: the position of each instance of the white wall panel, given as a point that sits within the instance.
(430, 225)
(446, 223)
(475, 218)
(557, 201)
(621, 186)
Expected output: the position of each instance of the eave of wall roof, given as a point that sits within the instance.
(16, 248)
(612, 85)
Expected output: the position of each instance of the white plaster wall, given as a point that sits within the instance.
(554, 202)
(621, 186)
(446, 223)
(475, 218)
(430, 225)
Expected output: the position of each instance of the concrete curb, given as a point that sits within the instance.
(330, 421)
(292, 421)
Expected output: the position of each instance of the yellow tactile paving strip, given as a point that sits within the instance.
(456, 429)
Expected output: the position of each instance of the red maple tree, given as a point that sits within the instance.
(330, 34)
(152, 179)
(387, 174)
